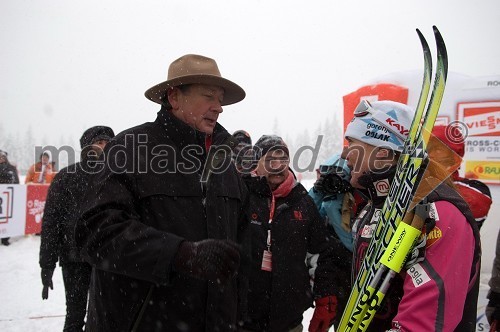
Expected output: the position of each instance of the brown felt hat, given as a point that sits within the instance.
(195, 69)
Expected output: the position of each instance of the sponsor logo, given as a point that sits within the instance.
(434, 236)
(374, 134)
(418, 275)
(399, 127)
(488, 171)
(480, 119)
(367, 231)
(254, 220)
(396, 246)
(297, 215)
(35, 209)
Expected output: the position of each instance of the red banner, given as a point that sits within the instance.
(35, 203)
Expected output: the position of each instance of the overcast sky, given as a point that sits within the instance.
(68, 65)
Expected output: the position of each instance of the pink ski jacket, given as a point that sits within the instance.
(440, 292)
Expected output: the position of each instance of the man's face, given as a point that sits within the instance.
(274, 166)
(3, 159)
(98, 146)
(45, 160)
(199, 106)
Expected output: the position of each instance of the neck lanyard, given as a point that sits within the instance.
(271, 216)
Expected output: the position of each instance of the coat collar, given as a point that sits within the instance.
(184, 135)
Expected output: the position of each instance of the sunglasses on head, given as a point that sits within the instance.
(363, 108)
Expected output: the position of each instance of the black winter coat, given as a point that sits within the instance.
(61, 212)
(148, 199)
(276, 300)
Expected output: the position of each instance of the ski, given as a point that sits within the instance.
(366, 295)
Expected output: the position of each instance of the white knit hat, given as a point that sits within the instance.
(381, 123)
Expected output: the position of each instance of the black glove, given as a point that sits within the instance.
(47, 282)
(493, 307)
(331, 183)
(214, 260)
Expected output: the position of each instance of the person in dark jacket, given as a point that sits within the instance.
(285, 227)
(162, 226)
(8, 175)
(242, 151)
(62, 210)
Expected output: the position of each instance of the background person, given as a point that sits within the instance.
(62, 210)
(447, 146)
(40, 172)
(244, 145)
(285, 226)
(333, 196)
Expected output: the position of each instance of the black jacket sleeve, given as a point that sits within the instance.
(53, 217)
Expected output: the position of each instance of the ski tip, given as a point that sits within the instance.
(423, 41)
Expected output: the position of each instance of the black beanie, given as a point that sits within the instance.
(268, 143)
(242, 137)
(94, 134)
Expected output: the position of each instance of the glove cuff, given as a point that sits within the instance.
(494, 298)
(328, 301)
(184, 255)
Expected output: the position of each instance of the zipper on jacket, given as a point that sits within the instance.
(143, 309)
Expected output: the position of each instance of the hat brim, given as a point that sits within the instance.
(233, 93)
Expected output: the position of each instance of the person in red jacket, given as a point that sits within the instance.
(447, 146)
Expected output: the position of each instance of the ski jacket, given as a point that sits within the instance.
(147, 200)
(476, 194)
(277, 299)
(61, 212)
(35, 171)
(8, 173)
(439, 293)
(331, 206)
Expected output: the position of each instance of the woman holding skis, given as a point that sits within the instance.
(437, 289)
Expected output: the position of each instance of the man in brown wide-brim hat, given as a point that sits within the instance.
(161, 227)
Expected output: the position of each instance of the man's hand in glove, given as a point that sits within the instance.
(324, 314)
(47, 282)
(493, 310)
(214, 260)
(331, 183)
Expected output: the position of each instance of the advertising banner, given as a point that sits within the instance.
(35, 203)
(21, 209)
(12, 209)
(481, 122)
